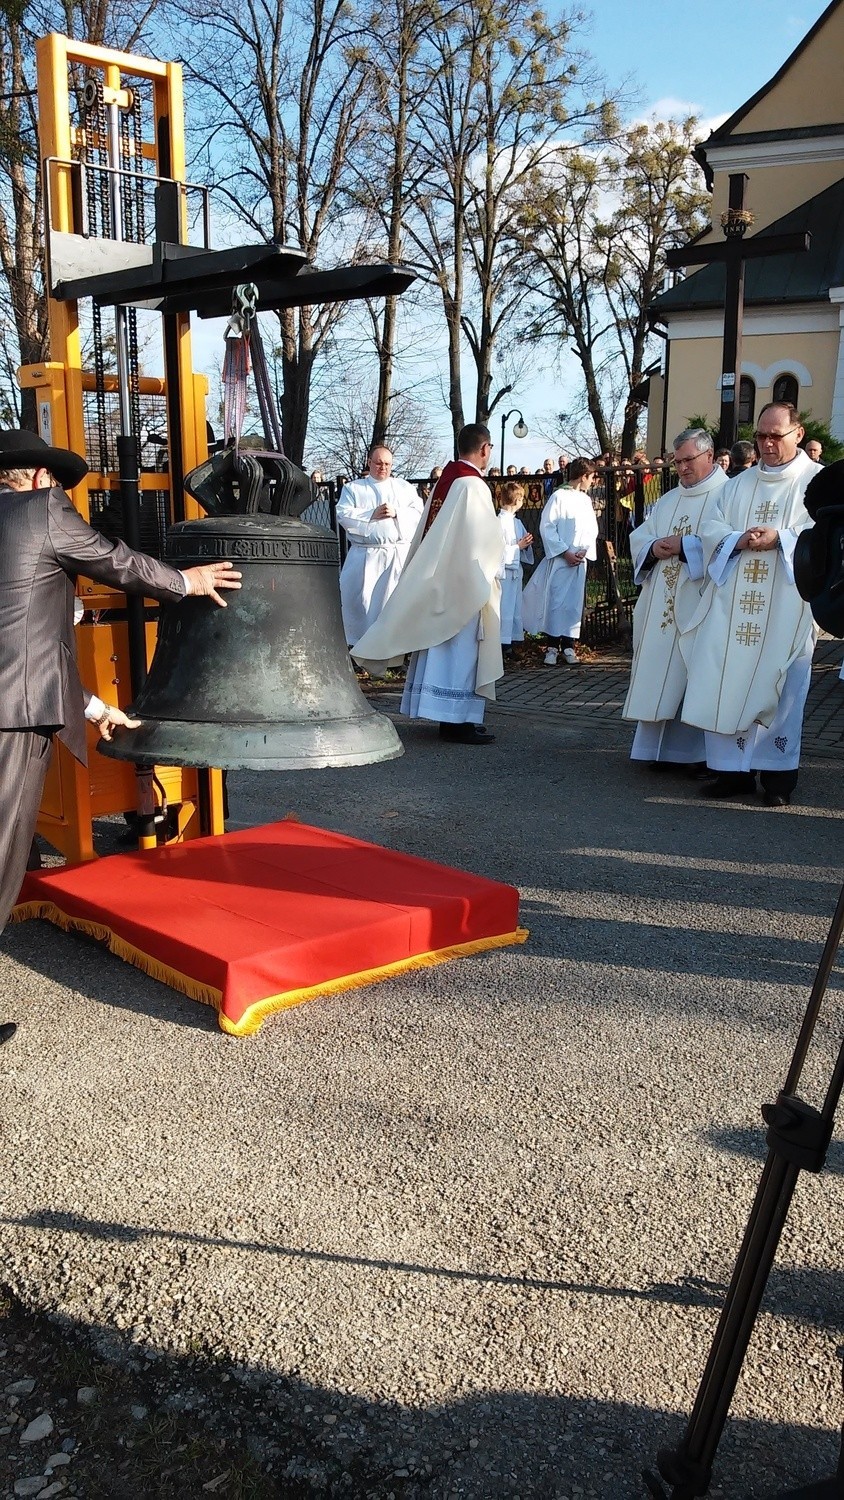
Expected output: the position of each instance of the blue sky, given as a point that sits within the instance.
(713, 55)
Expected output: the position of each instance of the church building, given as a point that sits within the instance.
(789, 140)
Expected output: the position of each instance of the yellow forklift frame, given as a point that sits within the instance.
(75, 795)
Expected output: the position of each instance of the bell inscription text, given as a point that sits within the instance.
(252, 549)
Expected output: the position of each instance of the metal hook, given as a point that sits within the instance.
(244, 308)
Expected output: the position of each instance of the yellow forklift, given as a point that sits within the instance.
(127, 236)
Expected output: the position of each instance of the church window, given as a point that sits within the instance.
(786, 389)
(747, 399)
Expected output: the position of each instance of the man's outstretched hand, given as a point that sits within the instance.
(204, 581)
(115, 718)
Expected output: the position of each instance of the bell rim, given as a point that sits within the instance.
(133, 745)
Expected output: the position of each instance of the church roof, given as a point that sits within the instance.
(803, 277)
(727, 130)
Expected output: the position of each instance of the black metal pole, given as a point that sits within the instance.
(638, 497)
(798, 1139)
(733, 311)
(128, 468)
(172, 376)
(130, 494)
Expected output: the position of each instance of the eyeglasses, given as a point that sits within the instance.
(679, 462)
(773, 437)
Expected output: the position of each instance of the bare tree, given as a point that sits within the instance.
(525, 102)
(342, 425)
(444, 139)
(398, 32)
(497, 87)
(276, 148)
(566, 266)
(596, 226)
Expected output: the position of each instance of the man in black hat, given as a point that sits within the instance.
(44, 544)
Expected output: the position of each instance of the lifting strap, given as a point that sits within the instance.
(245, 353)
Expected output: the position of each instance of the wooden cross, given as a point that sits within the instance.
(733, 251)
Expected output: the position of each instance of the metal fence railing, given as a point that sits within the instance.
(621, 495)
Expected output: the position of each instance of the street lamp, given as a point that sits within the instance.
(520, 430)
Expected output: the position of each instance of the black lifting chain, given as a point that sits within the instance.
(132, 198)
(99, 222)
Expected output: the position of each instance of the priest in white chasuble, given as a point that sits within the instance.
(751, 660)
(445, 608)
(667, 555)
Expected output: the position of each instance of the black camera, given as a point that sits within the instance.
(819, 554)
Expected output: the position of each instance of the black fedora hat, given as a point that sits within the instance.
(25, 450)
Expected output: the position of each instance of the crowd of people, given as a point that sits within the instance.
(722, 640)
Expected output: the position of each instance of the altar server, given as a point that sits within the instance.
(518, 553)
(553, 599)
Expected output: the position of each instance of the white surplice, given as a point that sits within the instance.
(669, 598)
(552, 601)
(515, 558)
(377, 549)
(750, 661)
(445, 611)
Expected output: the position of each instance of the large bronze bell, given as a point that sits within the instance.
(267, 683)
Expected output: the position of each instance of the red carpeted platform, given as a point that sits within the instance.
(256, 921)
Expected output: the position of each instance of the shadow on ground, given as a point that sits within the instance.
(805, 1295)
(170, 1427)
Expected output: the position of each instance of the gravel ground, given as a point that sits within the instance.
(463, 1233)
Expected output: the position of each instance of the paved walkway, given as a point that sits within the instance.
(595, 691)
(461, 1235)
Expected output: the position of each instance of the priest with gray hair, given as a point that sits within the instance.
(668, 564)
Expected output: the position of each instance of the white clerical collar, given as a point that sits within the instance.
(468, 461)
(700, 482)
(774, 470)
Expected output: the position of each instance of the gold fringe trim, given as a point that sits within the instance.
(256, 1013)
(48, 912)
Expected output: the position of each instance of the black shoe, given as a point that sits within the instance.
(776, 799)
(677, 768)
(466, 734)
(697, 770)
(733, 784)
(7, 1031)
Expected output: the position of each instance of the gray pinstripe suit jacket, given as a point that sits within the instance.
(44, 544)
